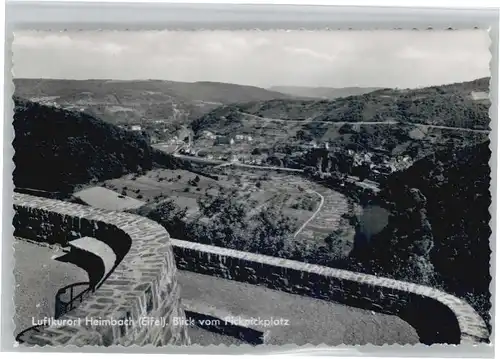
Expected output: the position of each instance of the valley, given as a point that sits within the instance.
(315, 210)
(260, 171)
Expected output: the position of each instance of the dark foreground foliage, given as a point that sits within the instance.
(56, 149)
(438, 232)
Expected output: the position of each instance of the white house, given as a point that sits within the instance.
(208, 134)
(135, 128)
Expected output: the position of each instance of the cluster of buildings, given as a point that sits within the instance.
(243, 138)
(226, 140)
(49, 101)
(182, 137)
(253, 160)
(314, 144)
(380, 164)
(208, 135)
(131, 127)
(176, 141)
(240, 158)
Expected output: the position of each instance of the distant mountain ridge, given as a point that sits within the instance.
(452, 105)
(323, 92)
(413, 122)
(135, 101)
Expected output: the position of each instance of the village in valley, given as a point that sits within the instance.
(292, 190)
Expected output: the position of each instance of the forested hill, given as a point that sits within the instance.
(137, 101)
(56, 149)
(463, 105)
(322, 92)
(456, 186)
(453, 199)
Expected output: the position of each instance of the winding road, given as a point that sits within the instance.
(452, 128)
(273, 168)
(311, 119)
(322, 202)
(390, 122)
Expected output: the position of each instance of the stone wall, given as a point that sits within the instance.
(438, 317)
(142, 284)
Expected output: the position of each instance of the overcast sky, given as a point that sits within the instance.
(401, 58)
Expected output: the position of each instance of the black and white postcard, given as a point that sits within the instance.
(252, 187)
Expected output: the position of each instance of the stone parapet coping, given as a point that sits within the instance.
(143, 282)
(231, 264)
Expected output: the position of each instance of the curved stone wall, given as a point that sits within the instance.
(142, 284)
(437, 316)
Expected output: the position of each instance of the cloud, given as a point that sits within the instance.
(60, 42)
(109, 48)
(412, 53)
(41, 42)
(261, 58)
(309, 53)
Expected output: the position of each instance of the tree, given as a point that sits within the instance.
(271, 232)
(301, 135)
(363, 172)
(403, 247)
(227, 226)
(169, 215)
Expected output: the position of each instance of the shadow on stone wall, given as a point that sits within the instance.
(146, 279)
(142, 284)
(438, 317)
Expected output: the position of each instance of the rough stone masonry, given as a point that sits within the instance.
(143, 283)
(137, 303)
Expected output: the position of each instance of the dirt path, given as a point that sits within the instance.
(322, 202)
